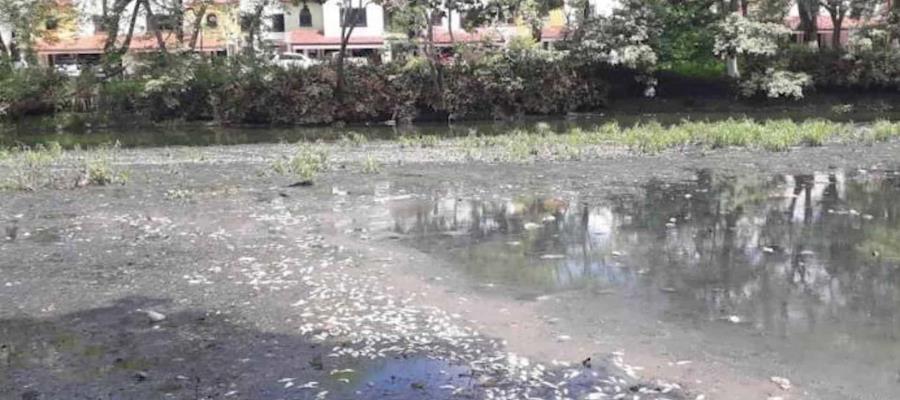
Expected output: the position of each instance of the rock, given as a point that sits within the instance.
(12, 232)
(31, 395)
(734, 319)
(140, 376)
(563, 338)
(303, 183)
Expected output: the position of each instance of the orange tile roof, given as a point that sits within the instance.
(312, 37)
(93, 44)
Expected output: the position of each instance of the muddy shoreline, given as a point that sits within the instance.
(262, 285)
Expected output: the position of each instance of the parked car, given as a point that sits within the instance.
(70, 70)
(294, 60)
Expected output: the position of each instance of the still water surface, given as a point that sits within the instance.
(809, 263)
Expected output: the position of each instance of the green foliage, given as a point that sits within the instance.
(686, 47)
(48, 166)
(307, 162)
(652, 137)
(371, 165)
(863, 67)
(98, 168)
(882, 131)
(29, 91)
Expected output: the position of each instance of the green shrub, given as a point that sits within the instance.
(30, 91)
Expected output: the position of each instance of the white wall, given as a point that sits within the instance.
(89, 8)
(332, 19)
(6, 34)
(455, 22)
(292, 16)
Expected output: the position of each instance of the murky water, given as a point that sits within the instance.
(805, 267)
(30, 132)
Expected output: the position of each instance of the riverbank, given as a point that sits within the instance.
(350, 286)
(50, 165)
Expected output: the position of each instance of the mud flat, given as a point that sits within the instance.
(415, 272)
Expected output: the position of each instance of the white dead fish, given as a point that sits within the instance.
(783, 383)
(155, 316)
(309, 385)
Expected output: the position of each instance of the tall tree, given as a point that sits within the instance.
(350, 14)
(808, 11)
(837, 10)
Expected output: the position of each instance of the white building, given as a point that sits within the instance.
(315, 29)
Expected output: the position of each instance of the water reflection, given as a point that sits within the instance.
(790, 255)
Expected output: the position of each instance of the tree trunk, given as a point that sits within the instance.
(809, 16)
(255, 23)
(198, 25)
(160, 42)
(111, 24)
(437, 75)
(731, 65)
(3, 51)
(450, 25)
(346, 32)
(179, 21)
(837, 21)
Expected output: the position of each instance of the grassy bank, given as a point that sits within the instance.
(649, 138)
(43, 166)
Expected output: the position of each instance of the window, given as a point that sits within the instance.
(437, 18)
(305, 17)
(278, 23)
(246, 22)
(162, 22)
(51, 24)
(212, 21)
(359, 13)
(99, 23)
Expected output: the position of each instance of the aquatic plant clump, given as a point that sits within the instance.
(652, 137)
(50, 166)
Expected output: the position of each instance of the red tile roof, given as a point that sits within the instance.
(442, 36)
(553, 33)
(312, 37)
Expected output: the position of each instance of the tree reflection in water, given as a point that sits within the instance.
(793, 254)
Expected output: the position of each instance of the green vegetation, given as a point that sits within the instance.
(371, 165)
(306, 162)
(649, 138)
(49, 166)
(98, 168)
